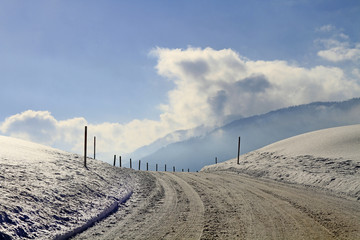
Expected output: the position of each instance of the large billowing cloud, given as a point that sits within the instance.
(211, 87)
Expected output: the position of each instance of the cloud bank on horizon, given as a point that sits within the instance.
(211, 87)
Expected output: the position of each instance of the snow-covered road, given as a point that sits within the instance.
(304, 187)
(228, 205)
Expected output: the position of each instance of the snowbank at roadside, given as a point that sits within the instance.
(46, 193)
(328, 158)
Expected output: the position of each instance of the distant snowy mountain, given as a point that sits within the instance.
(46, 193)
(170, 138)
(255, 132)
(328, 158)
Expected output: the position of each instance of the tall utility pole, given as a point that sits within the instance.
(238, 156)
(85, 146)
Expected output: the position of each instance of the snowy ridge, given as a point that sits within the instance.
(46, 193)
(257, 132)
(328, 158)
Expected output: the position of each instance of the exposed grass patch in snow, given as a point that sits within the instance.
(328, 158)
(45, 192)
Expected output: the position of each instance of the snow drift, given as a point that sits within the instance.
(328, 158)
(46, 193)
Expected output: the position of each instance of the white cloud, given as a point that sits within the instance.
(341, 53)
(326, 28)
(26, 126)
(42, 127)
(211, 87)
(338, 46)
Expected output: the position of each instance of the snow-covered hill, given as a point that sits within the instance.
(328, 158)
(256, 132)
(46, 193)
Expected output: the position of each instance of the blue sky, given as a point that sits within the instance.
(114, 64)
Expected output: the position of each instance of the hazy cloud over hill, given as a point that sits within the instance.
(213, 84)
(210, 87)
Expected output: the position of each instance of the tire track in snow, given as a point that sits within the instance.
(182, 211)
(168, 208)
(191, 224)
(227, 205)
(241, 207)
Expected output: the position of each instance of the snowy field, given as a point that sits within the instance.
(328, 158)
(47, 193)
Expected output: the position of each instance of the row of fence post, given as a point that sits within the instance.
(147, 164)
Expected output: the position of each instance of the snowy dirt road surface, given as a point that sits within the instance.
(228, 205)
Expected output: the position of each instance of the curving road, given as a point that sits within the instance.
(227, 205)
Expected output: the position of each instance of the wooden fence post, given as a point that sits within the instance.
(139, 164)
(238, 156)
(173, 168)
(85, 146)
(120, 161)
(147, 166)
(156, 167)
(188, 169)
(215, 160)
(165, 167)
(114, 160)
(94, 147)
(130, 163)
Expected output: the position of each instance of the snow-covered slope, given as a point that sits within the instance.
(46, 193)
(328, 158)
(256, 132)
